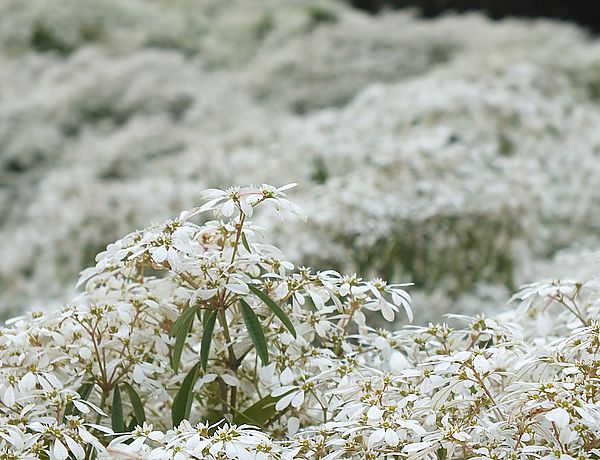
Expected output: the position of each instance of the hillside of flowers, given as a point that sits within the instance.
(460, 153)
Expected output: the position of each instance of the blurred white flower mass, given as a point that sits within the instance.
(458, 153)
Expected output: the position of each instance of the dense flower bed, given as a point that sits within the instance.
(465, 163)
(204, 342)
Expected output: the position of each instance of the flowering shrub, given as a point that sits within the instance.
(204, 342)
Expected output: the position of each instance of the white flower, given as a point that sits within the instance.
(291, 395)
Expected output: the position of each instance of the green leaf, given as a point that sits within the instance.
(182, 403)
(274, 308)
(258, 413)
(84, 391)
(245, 242)
(138, 407)
(132, 424)
(206, 317)
(183, 318)
(209, 327)
(182, 333)
(255, 331)
(118, 425)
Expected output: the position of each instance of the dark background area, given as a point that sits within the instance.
(584, 12)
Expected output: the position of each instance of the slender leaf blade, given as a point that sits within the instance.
(183, 399)
(245, 242)
(258, 413)
(207, 334)
(136, 403)
(255, 331)
(274, 308)
(182, 333)
(132, 424)
(117, 422)
(85, 390)
(183, 318)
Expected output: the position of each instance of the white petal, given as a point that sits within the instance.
(287, 376)
(285, 401)
(287, 186)
(85, 353)
(481, 364)
(75, 448)
(375, 437)
(36, 426)
(60, 451)
(174, 259)
(298, 399)
(374, 413)
(293, 424)
(8, 398)
(228, 208)
(391, 437)
(246, 207)
(159, 254)
(138, 374)
(27, 382)
(83, 408)
(559, 416)
(387, 311)
(230, 380)
(238, 288)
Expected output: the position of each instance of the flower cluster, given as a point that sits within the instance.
(204, 342)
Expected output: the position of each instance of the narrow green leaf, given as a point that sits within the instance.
(184, 397)
(274, 308)
(138, 407)
(132, 424)
(85, 390)
(258, 413)
(245, 242)
(207, 333)
(206, 317)
(181, 320)
(182, 333)
(255, 331)
(118, 425)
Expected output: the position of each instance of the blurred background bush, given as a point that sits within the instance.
(457, 152)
